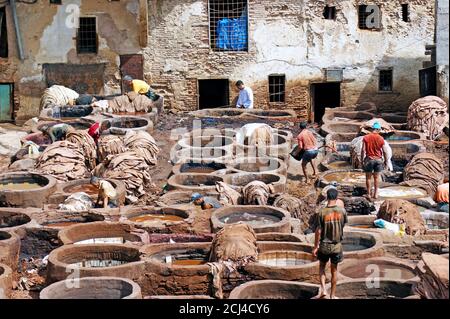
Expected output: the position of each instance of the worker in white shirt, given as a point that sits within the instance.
(245, 96)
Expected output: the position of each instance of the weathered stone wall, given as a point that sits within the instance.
(290, 37)
(49, 36)
(442, 52)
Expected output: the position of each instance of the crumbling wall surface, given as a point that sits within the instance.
(292, 38)
(49, 36)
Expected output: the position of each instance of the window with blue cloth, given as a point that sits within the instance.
(228, 25)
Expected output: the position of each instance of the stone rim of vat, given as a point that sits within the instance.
(175, 182)
(280, 169)
(6, 277)
(226, 142)
(376, 250)
(9, 248)
(227, 132)
(322, 182)
(361, 219)
(279, 237)
(424, 193)
(242, 291)
(256, 113)
(282, 145)
(280, 115)
(52, 217)
(9, 212)
(331, 114)
(36, 128)
(58, 262)
(440, 231)
(98, 285)
(283, 226)
(364, 282)
(406, 264)
(327, 128)
(177, 169)
(279, 184)
(62, 193)
(135, 211)
(143, 127)
(331, 158)
(76, 233)
(31, 197)
(296, 272)
(166, 199)
(224, 157)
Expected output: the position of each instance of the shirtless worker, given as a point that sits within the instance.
(307, 146)
(140, 87)
(106, 193)
(372, 158)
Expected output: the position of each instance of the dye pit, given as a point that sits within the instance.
(370, 268)
(19, 186)
(284, 258)
(401, 192)
(194, 257)
(156, 217)
(60, 225)
(251, 219)
(98, 263)
(106, 240)
(340, 165)
(346, 177)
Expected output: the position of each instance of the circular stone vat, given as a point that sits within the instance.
(403, 137)
(380, 267)
(335, 161)
(93, 288)
(12, 221)
(153, 216)
(242, 179)
(94, 260)
(362, 245)
(401, 192)
(218, 155)
(343, 177)
(259, 165)
(346, 116)
(394, 118)
(194, 182)
(21, 189)
(181, 198)
(209, 141)
(384, 289)
(202, 167)
(336, 127)
(9, 248)
(228, 132)
(362, 222)
(436, 222)
(225, 112)
(341, 140)
(263, 219)
(6, 278)
(280, 148)
(271, 114)
(284, 261)
(61, 220)
(183, 264)
(275, 289)
(97, 233)
(128, 123)
(278, 237)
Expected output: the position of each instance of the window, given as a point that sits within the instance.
(3, 34)
(405, 12)
(385, 81)
(277, 88)
(228, 24)
(329, 13)
(87, 35)
(369, 17)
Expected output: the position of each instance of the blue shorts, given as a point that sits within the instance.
(309, 155)
(442, 207)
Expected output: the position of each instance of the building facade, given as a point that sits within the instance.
(299, 54)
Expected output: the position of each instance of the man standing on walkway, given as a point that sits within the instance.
(372, 158)
(307, 148)
(245, 96)
(328, 240)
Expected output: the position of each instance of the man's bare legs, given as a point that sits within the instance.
(368, 178)
(304, 171)
(334, 274)
(323, 278)
(313, 167)
(375, 185)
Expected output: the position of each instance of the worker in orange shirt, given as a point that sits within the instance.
(441, 197)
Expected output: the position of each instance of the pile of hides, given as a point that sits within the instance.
(400, 211)
(87, 144)
(257, 134)
(142, 144)
(355, 153)
(227, 195)
(386, 128)
(131, 102)
(57, 95)
(77, 202)
(426, 171)
(433, 271)
(297, 207)
(257, 193)
(428, 115)
(236, 243)
(133, 170)
(63, 160)
(110, 145)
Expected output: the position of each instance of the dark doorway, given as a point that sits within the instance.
(213, 93)
(427, 81)
(324, 95)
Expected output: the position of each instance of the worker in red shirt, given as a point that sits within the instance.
(372, 157)
(307, 146)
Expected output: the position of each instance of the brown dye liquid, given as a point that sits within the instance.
(250, 219)
(19, 186)
(188, 262)
(364, 226)
(155, 217)
(383, 270)
(339, 165)
(346, 177)
(61, 224)
(85, 188)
